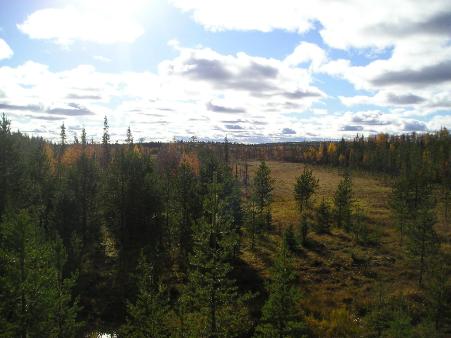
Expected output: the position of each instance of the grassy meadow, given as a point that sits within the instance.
(334, 270)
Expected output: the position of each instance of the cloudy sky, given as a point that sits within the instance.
(253, 70)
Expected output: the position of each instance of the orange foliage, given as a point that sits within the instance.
(191, 160)
(381, 138)
(71, 155)
(332, 149)
(50, 155)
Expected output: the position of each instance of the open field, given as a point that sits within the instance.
(329, 277)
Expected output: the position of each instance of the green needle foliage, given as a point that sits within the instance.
(149, 314)
(35, 298)
(263, 186)
(281, 315)
(306, 185)
(343, 202)
(211, 301)
(323, 218)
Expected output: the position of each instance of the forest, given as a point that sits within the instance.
(345, 238)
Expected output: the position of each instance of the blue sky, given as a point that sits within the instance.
(254, 71)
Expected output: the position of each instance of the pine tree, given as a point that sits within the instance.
(8, 164)
(129, 139)
(262, 193)
(343, 202)
(251, 221)
(106, 152)
(226, 151)
(35, 298)
(359, 226)
(280, 314)
(188, 206)
(422, 238)
(83, 137)
(399, 205)
(400, 326)
(323, 218)
(63, 139)
(438, 292)
(148, 315)
(305, 187)
(213, 305)
(303, 229)
(289, 238)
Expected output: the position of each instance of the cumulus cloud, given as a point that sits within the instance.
(66, 25)
(351, 128)
(221, 109)
(191, 94)
(432, 74)
(288, 131)
(413, 35)
(372, 118)
(414, 126)
(345, 24)
(307, 52)
(404, 99)
(5, 51)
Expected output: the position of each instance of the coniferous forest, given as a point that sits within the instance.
(203, 239)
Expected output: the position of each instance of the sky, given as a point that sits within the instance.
(252, 70)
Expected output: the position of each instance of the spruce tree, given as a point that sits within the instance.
(422, 238)
(281, 315)
(148, 315)
(106, 152)
(303, 229)
(438, 292)
(262, 193)
(343, 202)
(63, 139)
(323, 218)
(213, 305)
(129, 139)
(398, 203)
(289, 238)
(35, 299)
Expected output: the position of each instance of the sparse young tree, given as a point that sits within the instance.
(303, 229)
(399, 205)
(438, 292)
(343, 202)
(281, 315)
(262, 193)
(422, 238)
(359, 226)
(306, 185)
(289, 239)
(323, 217)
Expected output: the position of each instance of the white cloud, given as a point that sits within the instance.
(81, 23)
(344, 23)
(199, 92)
(102, 58)
(5, 51)
(307, 52)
